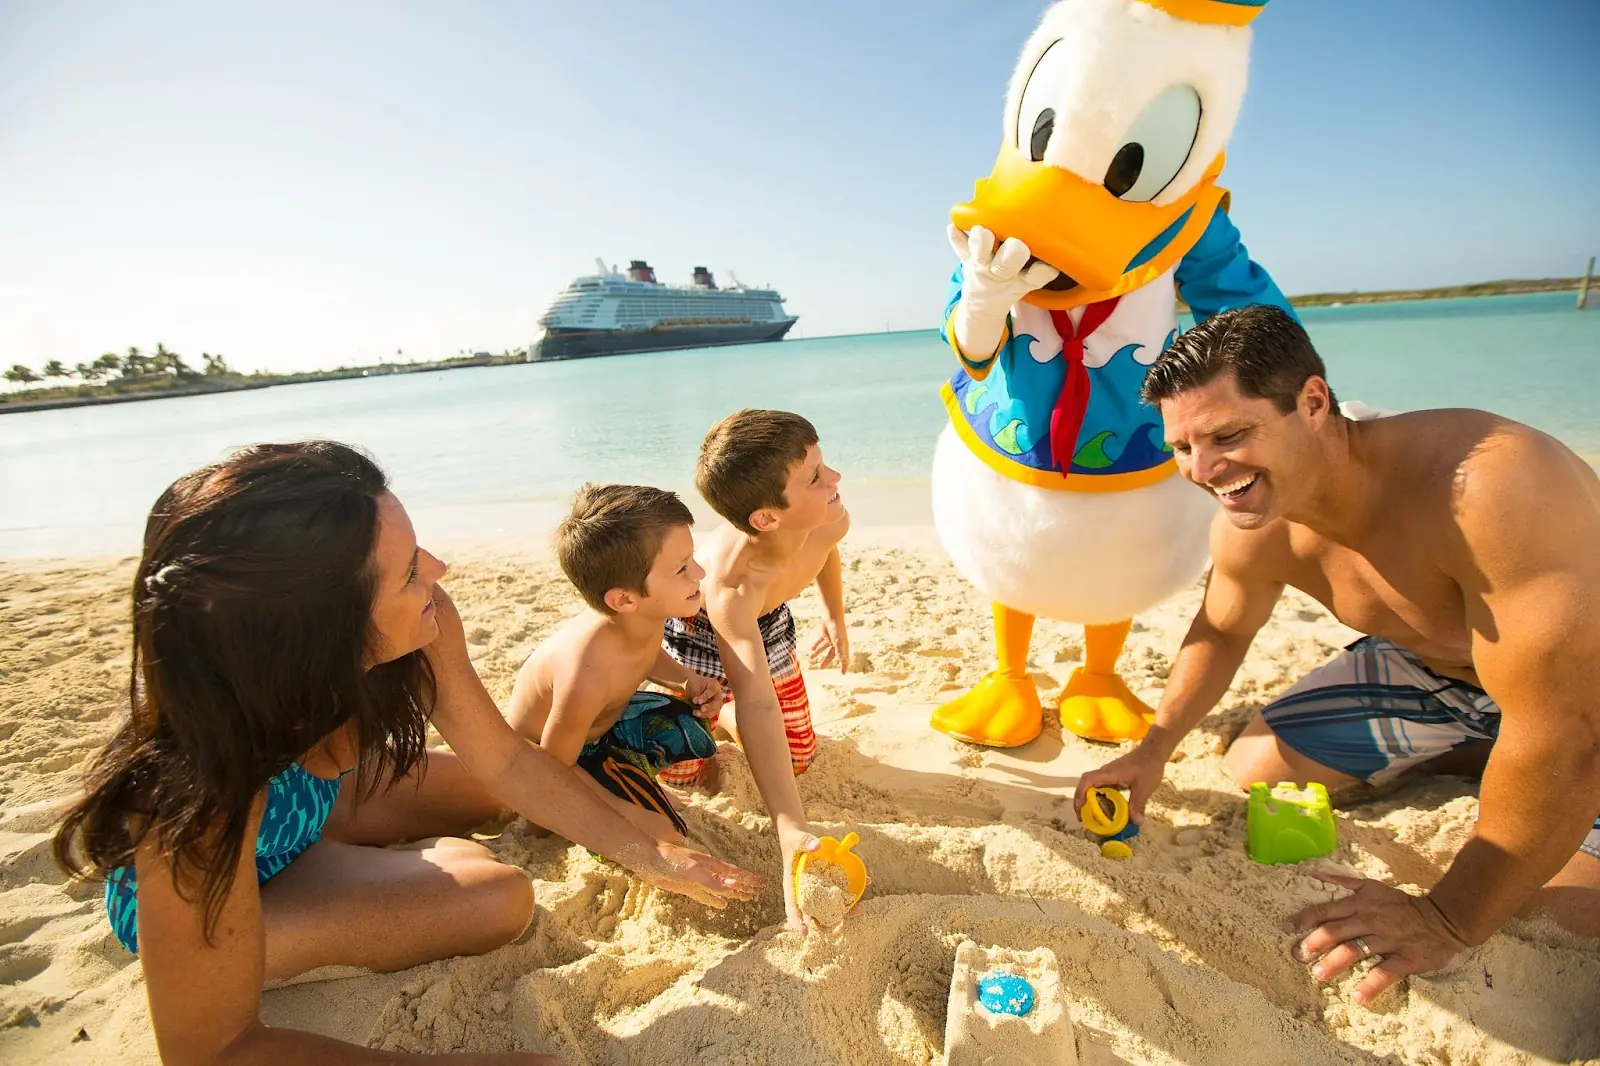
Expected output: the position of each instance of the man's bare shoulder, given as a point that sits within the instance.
(1521, 498)
(1420, 451)
(1513, 464)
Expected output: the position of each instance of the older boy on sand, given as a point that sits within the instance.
(763, 472)
(1468, 547)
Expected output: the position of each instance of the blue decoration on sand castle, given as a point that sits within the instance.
(1005, 993)
(1006, 1005)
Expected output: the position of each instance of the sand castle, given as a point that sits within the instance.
(1006, 1007)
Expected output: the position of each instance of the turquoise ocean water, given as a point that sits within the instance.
(492, 452)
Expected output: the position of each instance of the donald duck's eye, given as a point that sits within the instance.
(1158, 144)
(1124, 169)
(1043, 126)
(1036, 116)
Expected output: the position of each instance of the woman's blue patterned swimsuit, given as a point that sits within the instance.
(298, 805)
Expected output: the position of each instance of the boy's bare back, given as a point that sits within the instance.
(585, 661)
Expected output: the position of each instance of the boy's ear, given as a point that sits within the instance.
(763, 520)
(622, 600)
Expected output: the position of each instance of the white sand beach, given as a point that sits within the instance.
(1177, 955)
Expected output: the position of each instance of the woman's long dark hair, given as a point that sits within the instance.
(252, 613)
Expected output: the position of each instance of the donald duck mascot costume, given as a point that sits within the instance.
(1053, 489)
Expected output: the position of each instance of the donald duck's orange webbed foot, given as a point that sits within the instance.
(1101, 707)
(1001, 711)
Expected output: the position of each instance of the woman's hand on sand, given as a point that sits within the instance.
(1406, 932)
(832, 645)
(793, 843)
(1139, 772)
(674, 868)
(705, 693)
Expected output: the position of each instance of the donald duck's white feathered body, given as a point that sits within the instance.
(1053, 490)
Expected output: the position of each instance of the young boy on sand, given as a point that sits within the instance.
(630, 554)
(763, 472)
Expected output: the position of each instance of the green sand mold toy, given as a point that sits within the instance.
(1288, 825)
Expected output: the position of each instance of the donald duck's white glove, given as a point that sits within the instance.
(991, 281)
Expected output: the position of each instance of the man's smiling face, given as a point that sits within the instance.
(1256, 460)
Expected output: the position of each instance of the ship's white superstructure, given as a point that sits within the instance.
(609, 312)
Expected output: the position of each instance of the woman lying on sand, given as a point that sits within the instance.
(290, 649)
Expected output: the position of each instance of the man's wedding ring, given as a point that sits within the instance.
(1360, 942)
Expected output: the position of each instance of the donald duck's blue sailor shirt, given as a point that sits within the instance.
(1009, 410)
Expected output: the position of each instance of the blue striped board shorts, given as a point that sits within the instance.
(1375, 710)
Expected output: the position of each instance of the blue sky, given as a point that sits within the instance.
(309, 184)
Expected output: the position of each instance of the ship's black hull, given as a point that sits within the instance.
(581, 344)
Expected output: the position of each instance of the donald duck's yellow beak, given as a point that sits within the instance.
(1102, 246)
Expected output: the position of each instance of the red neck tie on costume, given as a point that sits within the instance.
(1067, 417)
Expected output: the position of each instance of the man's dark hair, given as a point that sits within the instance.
(1262, 346)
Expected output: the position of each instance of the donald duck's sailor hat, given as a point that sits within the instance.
(1215, 12)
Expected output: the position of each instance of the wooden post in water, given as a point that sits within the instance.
(1583, 286)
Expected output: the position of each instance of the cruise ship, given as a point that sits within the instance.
(608, 313)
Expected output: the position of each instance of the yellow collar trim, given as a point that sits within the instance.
(1049, 479)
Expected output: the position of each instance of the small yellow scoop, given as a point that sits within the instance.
(1095, 816)
(837, 852)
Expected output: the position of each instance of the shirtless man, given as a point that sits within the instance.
(763, 472)
(1468, 547)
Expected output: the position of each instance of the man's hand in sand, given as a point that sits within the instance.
(705, 693)
(703, 879)
(832, 645)
(1139, 772)
(1376, 920)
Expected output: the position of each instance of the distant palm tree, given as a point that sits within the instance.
(216, 365)
(54, 369)
(135, 363)
(88, 372)
(169, 362)
(21, 375)
(108, 362)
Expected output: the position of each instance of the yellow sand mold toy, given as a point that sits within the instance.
(1105, 816)
(839, 854)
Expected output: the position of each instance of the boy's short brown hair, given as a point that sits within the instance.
(612, 536)
(745, 462)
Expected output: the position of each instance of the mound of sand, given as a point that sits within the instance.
(1177, 955)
